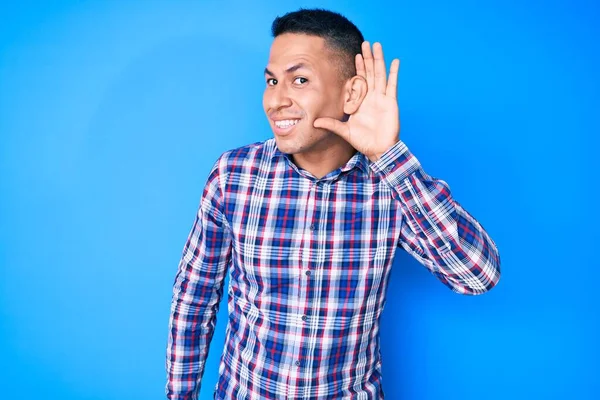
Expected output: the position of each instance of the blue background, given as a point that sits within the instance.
(112, 113)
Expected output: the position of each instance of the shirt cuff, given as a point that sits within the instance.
(396, 164)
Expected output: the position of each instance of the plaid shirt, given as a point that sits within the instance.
(309, 261)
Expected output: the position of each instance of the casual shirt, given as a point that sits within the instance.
(309, 261)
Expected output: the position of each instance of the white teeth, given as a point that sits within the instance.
(286, 123)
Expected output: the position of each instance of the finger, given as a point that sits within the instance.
(333, 125)
(360, 66)
(380, 78)
(392, 84)
(368, 59)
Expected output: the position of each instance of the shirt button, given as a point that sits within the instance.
(389, 168)
(297, 363)
(307, 273)
(304, 318)
(312, 227)
(416, 210)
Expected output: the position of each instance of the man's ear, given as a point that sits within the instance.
(355, 91)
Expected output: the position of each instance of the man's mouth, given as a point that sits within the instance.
(286, 123)
(285, 126)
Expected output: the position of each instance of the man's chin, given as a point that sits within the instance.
(284, 147)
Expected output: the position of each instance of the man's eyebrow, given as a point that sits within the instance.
(291, 69)
(296, 67)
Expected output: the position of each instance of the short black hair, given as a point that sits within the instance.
(340, 35)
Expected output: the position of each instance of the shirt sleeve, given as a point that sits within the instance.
(436, 229)
(197, 292)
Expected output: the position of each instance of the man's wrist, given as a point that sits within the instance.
(396, 164)
(377, 156)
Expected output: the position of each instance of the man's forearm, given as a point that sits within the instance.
(436, 229)
(191, 327)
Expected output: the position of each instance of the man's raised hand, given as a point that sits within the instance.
(375, 126)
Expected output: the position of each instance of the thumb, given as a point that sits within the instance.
(333, 125)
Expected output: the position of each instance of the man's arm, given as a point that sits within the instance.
(197, 292)
(436, 230)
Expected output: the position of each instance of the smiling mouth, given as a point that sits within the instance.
(285, 127)
(286, 123)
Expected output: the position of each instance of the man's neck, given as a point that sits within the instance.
(321, 163)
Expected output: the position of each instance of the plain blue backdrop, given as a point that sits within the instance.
(112, 113)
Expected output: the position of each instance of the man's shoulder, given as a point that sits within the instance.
(248, 154)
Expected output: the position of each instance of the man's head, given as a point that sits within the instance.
(311, 73)
(342, 38)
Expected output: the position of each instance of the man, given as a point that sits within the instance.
(307, 224)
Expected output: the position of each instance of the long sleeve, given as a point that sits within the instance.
(197, 291)
(436, 229)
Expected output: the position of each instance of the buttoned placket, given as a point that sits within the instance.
(310, 234)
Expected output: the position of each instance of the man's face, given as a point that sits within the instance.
(302, 84)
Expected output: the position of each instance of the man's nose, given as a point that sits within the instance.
(279, 98)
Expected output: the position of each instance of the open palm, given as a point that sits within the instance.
(375, 126)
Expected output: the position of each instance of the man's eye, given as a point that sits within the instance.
(271, 82)
(300, 80)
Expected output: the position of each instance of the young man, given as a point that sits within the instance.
(307, 224)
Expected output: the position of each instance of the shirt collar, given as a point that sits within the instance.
(358, 160)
